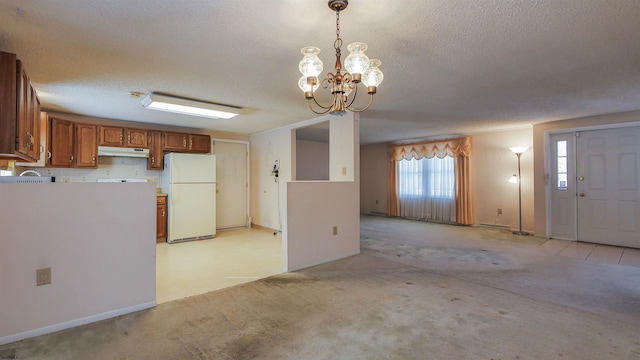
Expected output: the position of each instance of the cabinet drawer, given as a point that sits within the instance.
(161, 200)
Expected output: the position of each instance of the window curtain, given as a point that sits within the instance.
(459, 149)
(426, 188)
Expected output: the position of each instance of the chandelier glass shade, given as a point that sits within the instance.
(344, 82)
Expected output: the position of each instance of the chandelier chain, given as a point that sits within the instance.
(338, 43)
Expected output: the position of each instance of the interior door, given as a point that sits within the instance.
(608, 173)
(233, 184)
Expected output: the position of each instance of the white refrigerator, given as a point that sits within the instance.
(189, 180)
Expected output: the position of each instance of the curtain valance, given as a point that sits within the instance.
(458, 147)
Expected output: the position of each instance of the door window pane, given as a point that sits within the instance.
(561, 164)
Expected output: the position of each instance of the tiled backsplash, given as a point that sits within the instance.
(108, 168)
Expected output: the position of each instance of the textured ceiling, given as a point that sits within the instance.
(450, 66)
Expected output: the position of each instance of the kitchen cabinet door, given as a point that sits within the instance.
(161, 219)
(23, 135)
(111, 136)
(62, 143)
(36, 130)
(199, 143)
(86, 146)
(136, 138)
(19, 137)
(175, 141)
(155, 151)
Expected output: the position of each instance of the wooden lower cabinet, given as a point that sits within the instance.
(161, 218)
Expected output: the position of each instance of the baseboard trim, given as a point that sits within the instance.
(300, 267)
(73, 323)
(260, 227)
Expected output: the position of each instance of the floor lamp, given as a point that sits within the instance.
(519, 150)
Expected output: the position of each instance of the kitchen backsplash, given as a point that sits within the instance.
(108, 168)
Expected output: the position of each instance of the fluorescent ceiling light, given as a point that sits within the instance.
(189, 107)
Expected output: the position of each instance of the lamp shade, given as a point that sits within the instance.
(519, 149)
(373, 76)
(310, 65)
(357, 62)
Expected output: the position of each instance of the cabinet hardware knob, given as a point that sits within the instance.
(163, 214)
(581, 195)
(71, 158)
(48, 154)
(153, 160)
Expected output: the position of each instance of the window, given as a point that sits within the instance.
(433, 178)
(561, 161)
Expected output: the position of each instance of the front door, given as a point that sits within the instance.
(607, 186)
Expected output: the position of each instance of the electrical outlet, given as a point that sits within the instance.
(499, 211)
(335, 230)
(344, 171)
(43, 276)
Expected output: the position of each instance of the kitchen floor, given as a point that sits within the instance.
(233, 257)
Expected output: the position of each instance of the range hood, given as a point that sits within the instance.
(122, 152)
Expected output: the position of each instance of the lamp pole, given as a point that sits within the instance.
(520, 232)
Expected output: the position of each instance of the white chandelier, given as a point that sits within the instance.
(359, 68)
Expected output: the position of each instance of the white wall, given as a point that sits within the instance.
(343, 152)
(273, 203)
(267, 193)
(98, 240)
(312, 160)
(313, 209)
(492, 164)
(374, 182)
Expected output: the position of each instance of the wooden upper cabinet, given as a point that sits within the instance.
(110, 136)
(136, 138)
(36, 129)
(86, 146)
(155, 161)
(187, 142)
(175, 141)
(199, 143)
(119, 136)
(19, 123)
(61, 143)
(24, 101)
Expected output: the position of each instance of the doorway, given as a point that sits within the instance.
(595, 194)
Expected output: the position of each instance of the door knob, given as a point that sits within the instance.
(581, 178)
